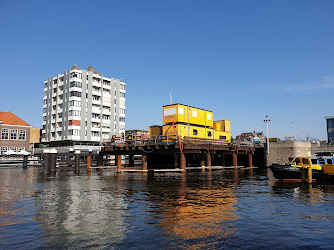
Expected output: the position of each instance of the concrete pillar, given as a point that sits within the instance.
(25, 161)
(77, 162)
(118, 159)
(183, 161)
(46, 161)
(309, 175)
(52, 161)
(89, 162)
(144, 162)
(235, 158)
(208, 159)
(131, 160)
(250, 159)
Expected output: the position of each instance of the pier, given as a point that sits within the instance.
(176, 154)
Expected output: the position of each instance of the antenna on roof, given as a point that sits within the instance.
(170, 96)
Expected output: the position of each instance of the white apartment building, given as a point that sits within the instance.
(83, 105)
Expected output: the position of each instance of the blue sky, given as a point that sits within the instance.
(242, 60)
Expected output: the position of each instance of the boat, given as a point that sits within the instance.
(293, 169)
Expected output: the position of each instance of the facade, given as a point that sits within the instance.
(15, 133)
(330, 128)
(82, 105)
(256, 137)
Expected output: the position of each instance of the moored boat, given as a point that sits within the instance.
(293, 169)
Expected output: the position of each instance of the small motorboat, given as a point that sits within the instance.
(293, 169)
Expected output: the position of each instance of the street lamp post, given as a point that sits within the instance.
(267, 121)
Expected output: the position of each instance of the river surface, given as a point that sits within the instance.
(242, 209)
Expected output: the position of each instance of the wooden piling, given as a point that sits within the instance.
(52, 161)
(235, 158)
(118, 159)
(144, 162)
(77, 162)
(208, 159)
(25, 161)
(183, 161)
(89, 162)
(131, 160)
(250, 159)
(309, 175)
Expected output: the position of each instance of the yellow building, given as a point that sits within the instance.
(35, 135)
(179, 113)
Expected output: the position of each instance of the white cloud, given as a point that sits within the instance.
(324, 83)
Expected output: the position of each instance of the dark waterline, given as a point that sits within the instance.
(218, 209)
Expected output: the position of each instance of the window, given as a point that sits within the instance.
(75, 84)
(95, 134)
(122, 95)
(195, 132)
(222, 137)
(209, 134)
(96, 116)
(122, 111)
(4, 134)
(106, 117)
(122, 119)
(75, 93)
(13, 134)
(22, 135)
(19, 149)
(74, 113)
(75, 103)
(3, 150)
(122, 86)
(12, 148)
(74, 75)
(74, 132)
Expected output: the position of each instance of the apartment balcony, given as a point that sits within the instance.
(96, 119)
(106, 112)
(54, 94)
(44, 106)
(96, 102)
(59, 110)
(58, 138)
(96, 138)
(106, 130)
(97, 84)
(60, 101)
(53, 120)
(98, 93)
(96, 129)
(53, 112)
(60, 83)
(58, 129)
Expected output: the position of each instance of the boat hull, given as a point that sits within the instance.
(282, 172)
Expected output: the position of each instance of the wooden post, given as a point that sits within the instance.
(118, 162)
(309, 175)
(25, 161)
(77, 162)
(208, 159)
(235, 158)
(100, 160)
(89, 162)
(250, 159)
(183, 161)
(223, 159)
(52, 161)
(303, 170)
(144, 162)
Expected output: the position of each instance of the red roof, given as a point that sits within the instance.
(11, 119)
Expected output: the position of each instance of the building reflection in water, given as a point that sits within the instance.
(200, 212)
(81, 211)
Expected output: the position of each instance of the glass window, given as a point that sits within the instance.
(22, 135)
(3, 150)
(4, 134)
(13, 134)
(209, 134)
(222, 137)
(12, 148)
(75, 93)
(75, 84)
(20, 149)
(195, 132)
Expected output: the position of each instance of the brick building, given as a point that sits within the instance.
(15, 133)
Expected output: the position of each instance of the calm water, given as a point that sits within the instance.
(216, 210)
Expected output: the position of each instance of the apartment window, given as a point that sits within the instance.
(75, 84)
(122, 95)
(13, 134)
(107, 83)
(4, 134)
(121, 103)
(195, 132)
(75, 93)
(222, 137)
(106, 117)
(75, 103)
(74, 113)
(96, 98)
(22, 135)
(122, 86)
(122, 111)
(122, 119)
(44, 118)
(13, 148)
(209, 134)
(19, 149)
(3, 150)
(95, 116)
(95, 134)
(74, 132)
(44, 126)
(74, 74)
